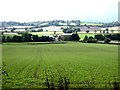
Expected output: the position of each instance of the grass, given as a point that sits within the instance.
(82, 35)
(45, 33)
(73, 65)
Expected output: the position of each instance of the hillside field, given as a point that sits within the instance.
(74, 64)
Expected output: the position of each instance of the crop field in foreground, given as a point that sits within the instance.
(70, 65)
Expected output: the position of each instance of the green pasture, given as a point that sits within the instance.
(81, 65)
(82, 35)
(45, 33)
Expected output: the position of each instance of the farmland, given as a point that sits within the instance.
(74, 64)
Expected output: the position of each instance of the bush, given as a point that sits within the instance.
(107, 40)
(91, 40)
(85, 39)
(45, 38)
(17, 39)
(26, 37)
(99, 37)
(35, 38)
(75, 37)
(115, 36)
(108, 36)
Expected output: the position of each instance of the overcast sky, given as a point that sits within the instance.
(39, 10)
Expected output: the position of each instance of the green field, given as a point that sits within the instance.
(75, 64)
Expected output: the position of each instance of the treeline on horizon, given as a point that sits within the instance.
(55, 23)
(26, 37)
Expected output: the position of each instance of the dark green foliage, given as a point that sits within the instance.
(66, 38)
(107, 30)
(13, 29)
(115, 36)
(45, 38)
(99, 37)
(39, 30)
(26, 37)
(35, 38)
(3, 38)
(108, 36)
(17, 39)
(107, 40)
(75, 37)
(89, 39)
(8, 39)
(69, 31)
(87, 31)
(85, 38)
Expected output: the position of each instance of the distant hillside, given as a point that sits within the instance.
(58, 23)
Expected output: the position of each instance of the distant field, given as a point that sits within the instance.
(93, 24)
(45, 33)
(82, 35)
(77, 64)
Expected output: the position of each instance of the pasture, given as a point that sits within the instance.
(74, 65)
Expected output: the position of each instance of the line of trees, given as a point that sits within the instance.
(100, 37)
(26, 37)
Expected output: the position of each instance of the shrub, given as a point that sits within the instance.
(45, 38)
(107, 40)
(115, 36)
(75, 37)
(91, 40)
(85, 39)
(99, 37)
(17, 39)
(108, 36)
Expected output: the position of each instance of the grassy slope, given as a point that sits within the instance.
(29, 65)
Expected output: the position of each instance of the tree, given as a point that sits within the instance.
(9, 39)
(85, 38)
(107, 40)
(95, 31)
(35, 38)
(75, 37)
(91, 40)
(64, 30)
(87, 31)
(54, 32)
(13, 29)
(17, 39)
(108, 36)
(115, 36)
(3, 38)
(26, 37)
(107, 30)
(40, 30)
(103, 31)
(69, 31)
(99, 37)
